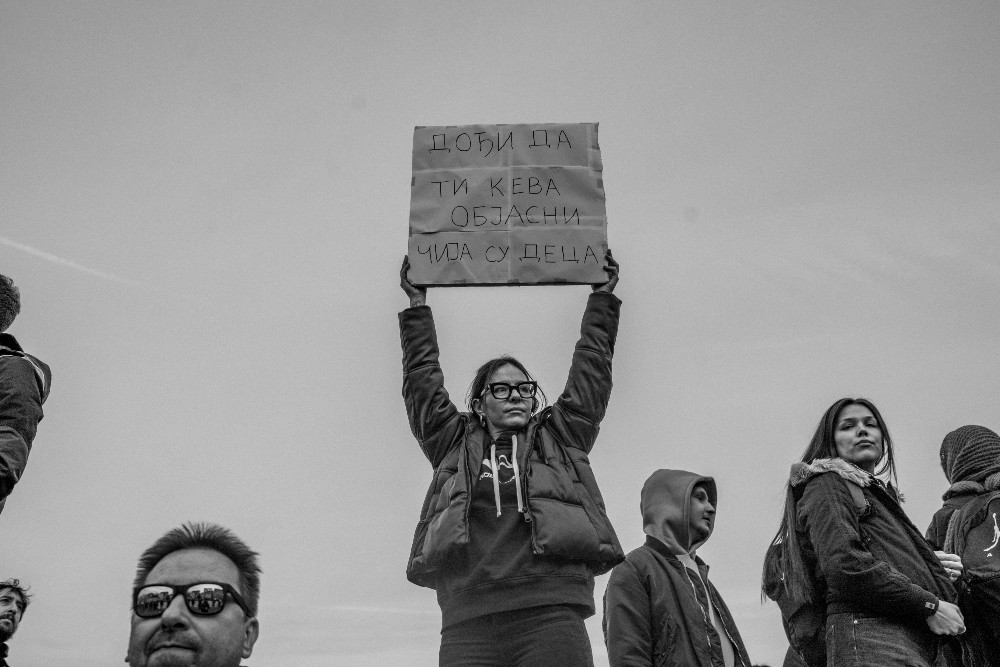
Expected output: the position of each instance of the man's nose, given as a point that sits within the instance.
(176, 614)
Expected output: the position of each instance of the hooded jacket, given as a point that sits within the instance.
(877, 563)
(569, 526)
(653, 614)
(24, 386)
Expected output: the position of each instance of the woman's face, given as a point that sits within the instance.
(858, 437)
(507, 414)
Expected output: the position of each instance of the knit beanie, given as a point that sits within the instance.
(970, 458)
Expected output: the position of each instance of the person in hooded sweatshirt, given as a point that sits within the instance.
(659, 606)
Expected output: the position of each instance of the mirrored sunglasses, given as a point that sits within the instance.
(205, 598)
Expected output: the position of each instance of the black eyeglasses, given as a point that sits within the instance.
(205, 598)
(501, 390)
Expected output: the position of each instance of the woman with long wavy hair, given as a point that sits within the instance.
(886, 598)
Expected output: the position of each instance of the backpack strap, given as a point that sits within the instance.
(949, 537)
(959, 516)
(858, 496)
(39, 375)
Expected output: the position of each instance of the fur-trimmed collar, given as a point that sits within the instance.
(803, 472)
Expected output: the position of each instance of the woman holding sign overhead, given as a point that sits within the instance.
(513, 528)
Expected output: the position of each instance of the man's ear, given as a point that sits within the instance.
(477, 407)
(251, 630)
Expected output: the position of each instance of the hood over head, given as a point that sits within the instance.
(665, 502)
(971, 454)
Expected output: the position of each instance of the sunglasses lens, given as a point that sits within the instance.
(153, 601)
(205, 599)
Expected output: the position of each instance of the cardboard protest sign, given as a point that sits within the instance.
(507, 205)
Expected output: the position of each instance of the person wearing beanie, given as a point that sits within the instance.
(660, 607)
(24, 386)
(970, 458)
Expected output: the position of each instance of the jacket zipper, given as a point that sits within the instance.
(705, 614)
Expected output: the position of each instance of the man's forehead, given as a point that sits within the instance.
(189, 566)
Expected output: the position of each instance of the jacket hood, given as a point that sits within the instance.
(803, 472)
(665, 502)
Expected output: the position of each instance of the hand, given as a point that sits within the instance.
(418, 295)
(612, 269)
(947, 620)
(951, 563)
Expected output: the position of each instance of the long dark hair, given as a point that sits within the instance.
(783, 564)
(487, 370)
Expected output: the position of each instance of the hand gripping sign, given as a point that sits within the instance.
(507, 205)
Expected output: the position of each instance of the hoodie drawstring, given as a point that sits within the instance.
(517, 474)
(496, 476)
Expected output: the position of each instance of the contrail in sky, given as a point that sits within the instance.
(68, 263)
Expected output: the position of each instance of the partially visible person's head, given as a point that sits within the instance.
(701, 521)
(10, 302)
(13, 601)
(195, 600)
(678, 508)
(503, 409)
(853, 429)
(971, 454)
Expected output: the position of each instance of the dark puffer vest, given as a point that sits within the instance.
(564, 507)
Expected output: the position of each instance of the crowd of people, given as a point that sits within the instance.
(513, 530)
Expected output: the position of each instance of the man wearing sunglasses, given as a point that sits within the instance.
(13, 601)
(195, 600)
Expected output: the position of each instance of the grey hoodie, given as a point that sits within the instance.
(654, 613)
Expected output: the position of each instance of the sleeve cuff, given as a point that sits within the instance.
(930, 608)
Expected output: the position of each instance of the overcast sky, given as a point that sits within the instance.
(205, 206)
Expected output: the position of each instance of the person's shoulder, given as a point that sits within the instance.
(826, 473)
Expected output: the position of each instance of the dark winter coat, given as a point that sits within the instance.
(24, 386)
(652, 617)
(877, 563)
(564, 506)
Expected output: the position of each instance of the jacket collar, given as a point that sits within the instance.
(803, 472)
(664, 551)
(7, 340)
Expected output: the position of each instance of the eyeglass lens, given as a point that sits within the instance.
(204, 599)
(501, 390)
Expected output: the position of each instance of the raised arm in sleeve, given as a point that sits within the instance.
(577, 413)
(434, 420)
